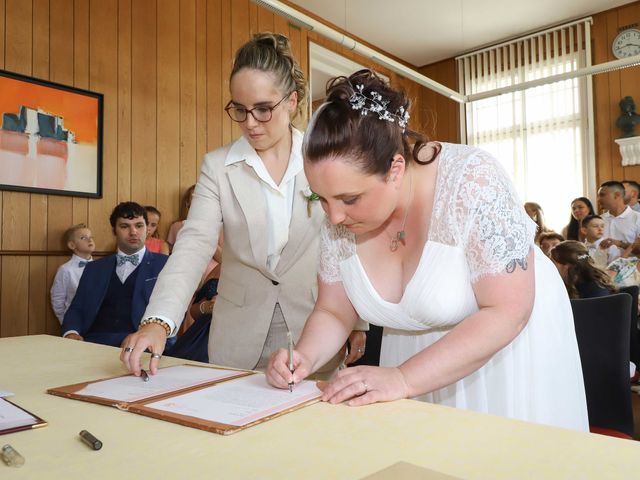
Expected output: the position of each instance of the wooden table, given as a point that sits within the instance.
(321, 441)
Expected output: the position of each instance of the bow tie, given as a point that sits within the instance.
(82, 263)
(133, 259)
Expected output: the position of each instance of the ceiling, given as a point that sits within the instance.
(421, 32)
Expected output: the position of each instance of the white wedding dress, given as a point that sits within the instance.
(478, 228)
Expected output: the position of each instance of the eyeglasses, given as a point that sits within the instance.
(260, 114)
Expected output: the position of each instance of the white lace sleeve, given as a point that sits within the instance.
(495, 231)
(336, 244)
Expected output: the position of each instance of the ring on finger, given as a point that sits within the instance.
(128, 349)
(361, 350)
(366, 387)
(156, 355)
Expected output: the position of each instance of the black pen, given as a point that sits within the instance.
(290, 341)
(144, 375)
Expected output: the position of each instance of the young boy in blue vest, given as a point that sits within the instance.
(114, 291)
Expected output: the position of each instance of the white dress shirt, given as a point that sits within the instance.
(123, 271)
(278, 198)
(625, 226)
(601, 257)
(65, 284)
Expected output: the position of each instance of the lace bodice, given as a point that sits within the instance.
(475, 209)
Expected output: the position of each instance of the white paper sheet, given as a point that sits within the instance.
(238, 402)
(5, 393)
(131, 388)
(12, 416)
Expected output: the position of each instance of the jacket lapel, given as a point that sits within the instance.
(300, 223)
(248, 191)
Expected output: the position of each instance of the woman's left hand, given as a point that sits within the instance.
(357, 342)
(364, 385)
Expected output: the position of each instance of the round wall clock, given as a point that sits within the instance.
(626, 43)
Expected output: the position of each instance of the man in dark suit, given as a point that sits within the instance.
(114, 291)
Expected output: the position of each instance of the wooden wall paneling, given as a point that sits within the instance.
(14, 296)
(629, 85)
(144, 97)
(190, 31)
(227, 62)
(80, 212)
(14, 284)
(52, 325)
(124, 100)
(38, 202)
(201, 94)
(60, 208)
(169, 105)
(253, 19)
(217, 86)
(615, 95)
(103, 77)
(601, 101)
(240, 29)
(265, 20)
(18, 55)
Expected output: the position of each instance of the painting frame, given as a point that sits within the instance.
(51, 137)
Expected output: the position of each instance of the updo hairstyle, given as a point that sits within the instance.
(581, 267)
(337, 129)
(271, 53)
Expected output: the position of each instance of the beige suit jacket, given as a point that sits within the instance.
(231, 196)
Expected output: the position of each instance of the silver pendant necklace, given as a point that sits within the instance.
(401, 235)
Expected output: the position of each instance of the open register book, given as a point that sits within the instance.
(214, 399)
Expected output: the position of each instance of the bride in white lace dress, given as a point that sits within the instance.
(431, 243)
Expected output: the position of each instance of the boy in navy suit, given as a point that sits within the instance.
(114, 291)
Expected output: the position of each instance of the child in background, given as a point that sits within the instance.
(592, 228)
(153, 242)
(79, 240)
(548, 240)
(184, 210)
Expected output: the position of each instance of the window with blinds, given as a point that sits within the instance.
(541, 135)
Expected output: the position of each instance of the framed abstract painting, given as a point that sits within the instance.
(50, 137)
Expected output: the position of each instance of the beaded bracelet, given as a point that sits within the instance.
(157, 321)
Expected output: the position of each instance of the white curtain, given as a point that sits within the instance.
(540, 134)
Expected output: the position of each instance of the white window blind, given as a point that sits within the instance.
(540, 135)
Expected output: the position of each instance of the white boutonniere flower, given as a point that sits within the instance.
(310, 197)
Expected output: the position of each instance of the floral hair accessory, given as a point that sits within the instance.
(311, 197)
(584, 256)
(375, 104)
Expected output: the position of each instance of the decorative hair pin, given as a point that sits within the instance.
(376, 105)
(584, 256)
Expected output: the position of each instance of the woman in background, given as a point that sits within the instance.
(580, 275)
(536, 214)
(580, 208)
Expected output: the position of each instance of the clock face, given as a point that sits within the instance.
(626, 43)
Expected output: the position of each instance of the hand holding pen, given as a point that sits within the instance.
(290, 342)
(287, 367)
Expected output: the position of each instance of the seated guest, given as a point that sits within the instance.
(581, 277)
(153, 242)
(580, 208)
(592, 228)
(631, 194)
(114, 291)
(175, 227)
(621, 223)
(78, 239)
(548, 240)
(537, 215)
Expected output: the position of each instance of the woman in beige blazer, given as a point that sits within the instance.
(255, 188)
